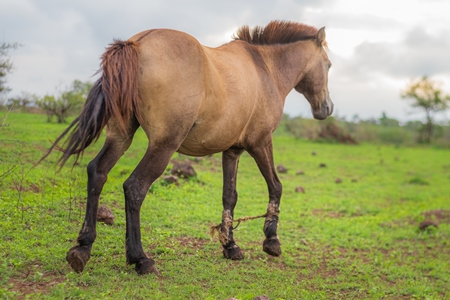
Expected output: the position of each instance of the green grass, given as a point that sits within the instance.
(356, 239)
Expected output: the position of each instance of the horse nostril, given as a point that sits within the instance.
(330, 108)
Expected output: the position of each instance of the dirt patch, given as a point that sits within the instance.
(34, 188)
(327, 214)
(190, 242)
(399, 223)
(25, 284)
(321, 213)
(17, 186)
(439, 215)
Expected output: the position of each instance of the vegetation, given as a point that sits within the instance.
(385, 130)
(362, 236)
(68, 103)
(327, 131)
(23, 102)
(366, 221)
(6, 64)
(426, 94)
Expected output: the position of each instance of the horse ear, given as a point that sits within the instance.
(321, 37)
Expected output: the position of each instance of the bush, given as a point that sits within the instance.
(384, 131)
(69, 102)
(331, 131)
(328, 131)
(303, 128)
(368, 132)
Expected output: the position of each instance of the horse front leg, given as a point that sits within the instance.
(263, 156)
(230, 160)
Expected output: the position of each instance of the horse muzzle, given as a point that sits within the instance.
(324, 111)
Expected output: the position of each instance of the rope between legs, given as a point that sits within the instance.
(216, 228)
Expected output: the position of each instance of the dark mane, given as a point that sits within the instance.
(276, 32)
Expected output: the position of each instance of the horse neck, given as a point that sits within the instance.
(289, 63)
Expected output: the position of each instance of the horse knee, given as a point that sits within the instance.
(135, 192)
(93, 174)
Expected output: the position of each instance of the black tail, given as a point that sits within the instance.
(86, 128)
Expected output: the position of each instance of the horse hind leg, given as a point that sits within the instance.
(135, 188)
(115, 145)
(230, 159)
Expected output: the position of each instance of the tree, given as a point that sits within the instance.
(386, 121)
(23, 102)
(426, 94)
(6, 65)
(67, 103)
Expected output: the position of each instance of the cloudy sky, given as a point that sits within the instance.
(376, 46)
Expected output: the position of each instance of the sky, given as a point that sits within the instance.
(376, 47)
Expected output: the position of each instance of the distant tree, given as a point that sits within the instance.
(426, 94)
(67, 103)
(372, 121)
(6, 64)
(414, 125)
(386, 121)
(24, 101)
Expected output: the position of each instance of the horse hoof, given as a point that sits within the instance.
(77, 257)
(272, 246)
(233, 252)
(146, 266)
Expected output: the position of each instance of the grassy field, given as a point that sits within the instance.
(353, 234)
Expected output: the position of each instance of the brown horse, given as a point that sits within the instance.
(195, 100)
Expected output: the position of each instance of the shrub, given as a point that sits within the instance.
(327, 131)
(330, 131)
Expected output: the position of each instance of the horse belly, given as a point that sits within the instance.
(197, 146)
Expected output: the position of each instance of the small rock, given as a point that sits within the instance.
(300, 172)
(281, 169)
(304, 242)
(427, 223)
(183, 170)
(322, 165)
(313, 153)
(300, 189)
(171, 179)
(105, 215)
(338, 180)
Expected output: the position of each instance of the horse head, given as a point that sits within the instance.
(314, 84)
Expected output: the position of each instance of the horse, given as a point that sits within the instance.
(195, 100)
